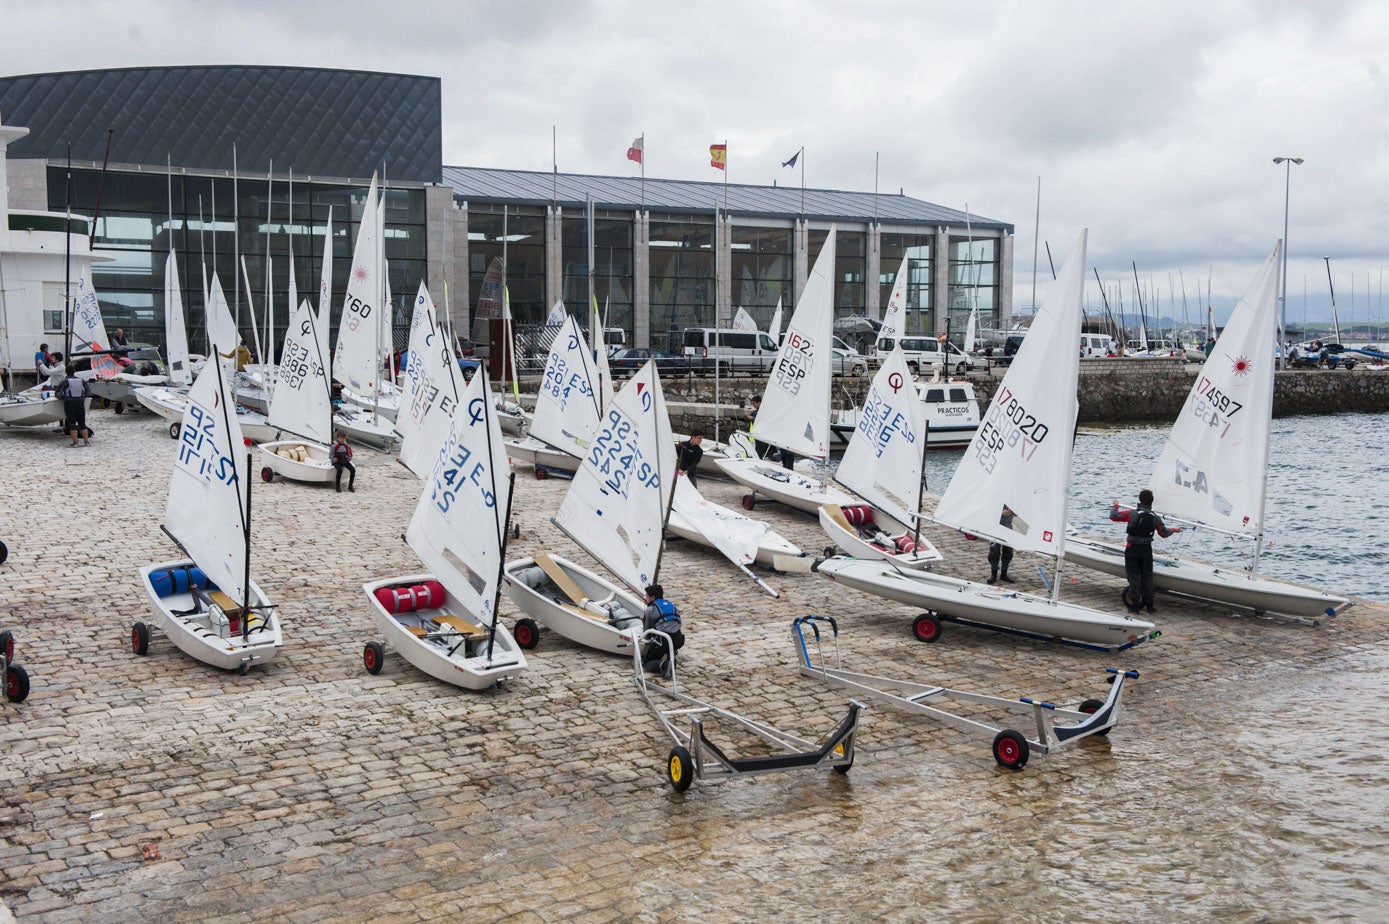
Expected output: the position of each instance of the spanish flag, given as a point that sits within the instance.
(718, 156)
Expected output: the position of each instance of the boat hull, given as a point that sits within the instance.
(317, 468)
(169, 403)
(442, 658)
(794, 489)
(197, 634)
(28, 410)
(541, 454)
(1207, 582)
(988, 605)
(549, 607)
(771, 546)
(387, 405)
(360, 427)
(845, 537)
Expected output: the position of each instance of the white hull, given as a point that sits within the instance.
(988, 605)
(581, 621)
(772, 544)
(196, 634)
(442, 656)
(538, 453)
(255, 427)
(30, 409)
(317, 468)
(360, 427)
(386, 405)
(121, 389)
(845, 536)
(794, 489)
(512, 421)
(1207, 582)
(169, 403)
(250, 393)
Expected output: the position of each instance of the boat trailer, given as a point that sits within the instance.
(694, 756)
(13, 678)
(1010, 748)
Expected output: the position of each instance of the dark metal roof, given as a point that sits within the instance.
(483, 184)
(317, 121)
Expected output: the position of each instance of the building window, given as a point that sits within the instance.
(612, 267)
(518, 233)
(763, 267)
(682, 275)
(919, 318)
(973, 283)
(850, 266)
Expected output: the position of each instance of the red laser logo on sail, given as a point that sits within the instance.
(1240, 365)
(360, 273)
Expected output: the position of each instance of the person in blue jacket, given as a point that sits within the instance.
(660, 614)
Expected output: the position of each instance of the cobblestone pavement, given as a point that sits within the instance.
(311, 791)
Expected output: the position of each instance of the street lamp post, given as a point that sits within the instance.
(1283, 298)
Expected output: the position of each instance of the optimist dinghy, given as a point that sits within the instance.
(445, 622)
(615, 510)
(883, 466)
(432, 386)
(364, 330)
(1213, 470)
(568, 407)
(1010, 487)
(301, 404)
(740, 539)
(795, 412)
(207, 604)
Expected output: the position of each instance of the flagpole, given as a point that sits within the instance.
(554, 163)
(875, 187)
(643, 171)
(725, 185)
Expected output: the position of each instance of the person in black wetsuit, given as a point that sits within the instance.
(1000, 555)
(1138, 550)
(687, 455)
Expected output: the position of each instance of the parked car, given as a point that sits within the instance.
(628, 361)
(925, 353)
(466, 347)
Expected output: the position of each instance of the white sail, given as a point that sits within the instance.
(302, 402)
(795, 411)
(615, 508)
(733, 534)
(743, 321)
(1143, 335)
(355, 357)
(895, 317)
(222, 336)
(1021, 455)
(430, 390)
(883, 461)
(325, 280)
(88, 329)
(206, 512)
(175, 331)
(566, 405)
(774, 329)
(557, 315)
(460, 521)
(971, 329)
(1213, 468)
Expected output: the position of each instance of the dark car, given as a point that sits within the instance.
(466, 347)
(627, 362)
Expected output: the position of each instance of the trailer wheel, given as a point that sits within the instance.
(267, 474)
(679, 769)
(1010, 749)
(961, 368)
(105, 404)
(16, 683)
(526, 633)
(173, 430)
(541, 473)
(4, 552)
(749, 502)
(7, 645)
(1092, 706)
(373, 657)
(845, 767)
(926, 628)
(140, 638)
(120, 407)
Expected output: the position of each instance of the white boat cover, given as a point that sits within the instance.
(883, 461)
(459, 524)
(175, 329)
(616, 506)
(206, 511)
(1214, 465)
(795, 412)
(302, 401)
(566, 406)
(1021, 455)
(355, 358)
(737, 537)
(431, 386)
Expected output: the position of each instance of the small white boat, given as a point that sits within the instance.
(297, 460)
(361, 428)
(170, 402)
(792, 488)
(572, 601)
(432, 386)
(952, 415)
(205, 623)
(544, 457)
(865, 532)
(35, 407)
(300, 404)
(386, 405)
(986, 605)
(512, 418)
(740, 539)
(1205, 581)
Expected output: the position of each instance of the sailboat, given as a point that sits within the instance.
(207, 604)
(432, 384)
(883, 466)
(301, 406)
(615, 511)
(445, 622)
(1019, 461)
(568, 406)
(364, 328)
(795, 412)
(1213, 470)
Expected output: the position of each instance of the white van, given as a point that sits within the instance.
(747, 351)
(927, 353)
(1098, 345)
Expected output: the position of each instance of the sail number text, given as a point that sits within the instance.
(457, 472)
(793, 365)
(1008, 424)
(617, 456)
(1214, 408)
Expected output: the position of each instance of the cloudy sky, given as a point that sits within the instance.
(1154, 125)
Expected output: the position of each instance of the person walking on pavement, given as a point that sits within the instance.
(1138, 550)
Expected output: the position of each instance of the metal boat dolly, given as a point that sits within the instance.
(1010, 747)
(694, 756)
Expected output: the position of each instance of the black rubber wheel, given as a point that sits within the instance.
(1124, 596)
(1092, 706)
(911, 367)
(961, 368)
(105, 403)
(16, 683)
(4, 552)
(7, 645)
(749, 502)
(140, 638)
(267, 474)
(244, 667)
(541, 474)
(844, 768)
(1010, 749)
(526, 633)
(120, 407)
(679, 769)
(173, 430)
(926, 628)
(373, 657)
